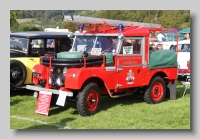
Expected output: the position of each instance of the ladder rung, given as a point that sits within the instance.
(85, 19)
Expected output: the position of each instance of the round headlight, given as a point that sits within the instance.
(59, 81)
(50, 80)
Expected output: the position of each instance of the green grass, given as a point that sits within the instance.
(115, 113)
(28, 21)
(24, 20)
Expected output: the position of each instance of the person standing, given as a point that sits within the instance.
(187, 36)
(186, 47)
(160, 38)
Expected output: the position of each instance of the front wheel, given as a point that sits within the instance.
(88, 100)
(18, 73)
(155, 92)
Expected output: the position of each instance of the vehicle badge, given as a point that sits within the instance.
(130, 77)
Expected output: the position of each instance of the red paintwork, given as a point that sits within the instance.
(157, 91)
(184, 71)
(117, 80)
(92, 100)
(39, 69)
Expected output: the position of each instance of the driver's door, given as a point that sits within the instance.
(130, 63)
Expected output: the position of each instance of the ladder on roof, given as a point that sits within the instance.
(85, 19)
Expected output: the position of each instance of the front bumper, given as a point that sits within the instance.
(183, 74)
(57, 92)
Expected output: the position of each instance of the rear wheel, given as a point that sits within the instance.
(155, 92)
(88, 100)
(17, 73)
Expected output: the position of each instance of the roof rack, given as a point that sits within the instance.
(92, 20)
(55, 30)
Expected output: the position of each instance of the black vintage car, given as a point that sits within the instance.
(26, 49)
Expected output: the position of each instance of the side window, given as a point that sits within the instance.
(131, 46)
(137, 46)
(37, 47)
(64, 44)
(37, 43)
(127, 47)
(50, 43)
(12, 46)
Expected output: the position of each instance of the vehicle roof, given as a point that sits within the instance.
(184, 42)
(128, 31)
(39, 34)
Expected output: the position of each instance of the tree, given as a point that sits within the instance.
(13, 17)
(71, 26)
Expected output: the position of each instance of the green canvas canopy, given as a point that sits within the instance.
(186, 30)
(172, 36)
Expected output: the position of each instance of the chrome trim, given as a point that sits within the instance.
(110, 68)
(57, 92)
(118, 85)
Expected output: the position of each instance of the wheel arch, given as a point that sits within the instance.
(96, 80)
(160, 74)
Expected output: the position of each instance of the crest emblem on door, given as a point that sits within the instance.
(130, 77)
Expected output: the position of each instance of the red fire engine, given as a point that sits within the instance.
(108, 60)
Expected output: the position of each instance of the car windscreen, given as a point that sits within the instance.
(20, 44)
(86, 43)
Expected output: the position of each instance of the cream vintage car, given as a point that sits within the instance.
(26, 49)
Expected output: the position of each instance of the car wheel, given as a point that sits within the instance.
(156, 91)
(88, 100)
(17, 73)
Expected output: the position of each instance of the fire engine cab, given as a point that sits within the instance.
(111, 58)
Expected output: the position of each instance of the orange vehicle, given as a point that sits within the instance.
(108, 60)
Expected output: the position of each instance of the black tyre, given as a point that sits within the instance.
(17, 73)
(155, 92)
(88, 100)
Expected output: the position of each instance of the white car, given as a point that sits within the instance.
(183, 57)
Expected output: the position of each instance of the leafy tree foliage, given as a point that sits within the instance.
(167, 18)
(72, 26)
(54, 18)
(13, 17)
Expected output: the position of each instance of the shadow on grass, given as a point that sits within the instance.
(55, 109)
(53, 126)
(14, 102)
(23, 92)
(107, 102)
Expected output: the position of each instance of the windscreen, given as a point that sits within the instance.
(20, 44)
(87, 43)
